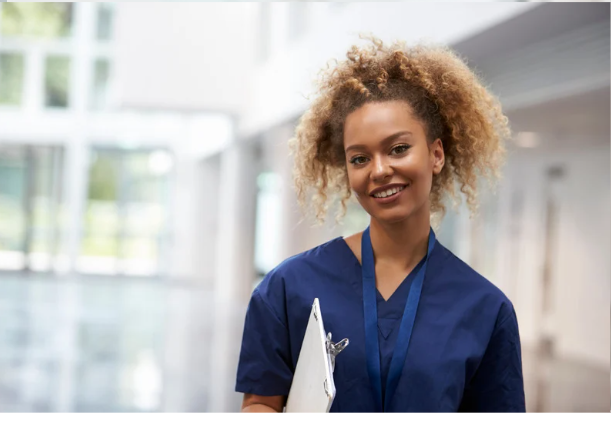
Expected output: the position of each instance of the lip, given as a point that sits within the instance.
(390, 198)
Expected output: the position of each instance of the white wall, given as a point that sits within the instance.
(195, 219)
(278, 88)
(234, 272)
(583, 271)
(581, 274)
(194, 56)
(297, 234)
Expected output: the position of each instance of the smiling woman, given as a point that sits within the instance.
(399, 128)
(390, 141)
(443, 95)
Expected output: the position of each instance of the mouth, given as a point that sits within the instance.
(389, 193)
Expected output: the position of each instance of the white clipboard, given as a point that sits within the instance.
(313, 389)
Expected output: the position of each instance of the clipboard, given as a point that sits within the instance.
(313, 389)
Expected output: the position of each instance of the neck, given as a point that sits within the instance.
(403, 243)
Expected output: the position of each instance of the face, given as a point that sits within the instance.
(389, 161)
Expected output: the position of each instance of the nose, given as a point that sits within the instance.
(381, 169)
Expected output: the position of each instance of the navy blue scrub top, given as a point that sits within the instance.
(464, 353)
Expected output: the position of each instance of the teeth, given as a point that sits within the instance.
(387, 193)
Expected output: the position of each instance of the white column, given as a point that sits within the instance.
(77, 148)
(81, 66)
(185, 197)
(234, 272)
(75, 193)
(195, 218)
(191, 261)
(298, 233)
(177, 370)
(291, 241)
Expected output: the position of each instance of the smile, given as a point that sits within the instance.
(389, 192)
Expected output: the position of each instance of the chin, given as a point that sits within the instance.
(399, 213)
(397, 216)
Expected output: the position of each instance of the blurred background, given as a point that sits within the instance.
(145, 188)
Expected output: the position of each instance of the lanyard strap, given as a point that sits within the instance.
(370, 311)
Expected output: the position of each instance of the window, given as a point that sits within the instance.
(13, 173)
(31, 206)
(36, 20)
(57, 79)
(105, 20)
(11, 78)
(99, 95)
(126, 214)
(268, 217)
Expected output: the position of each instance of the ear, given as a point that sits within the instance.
(437, 156)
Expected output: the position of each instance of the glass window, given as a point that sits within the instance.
(38, 20)
(30, 205)
(102, 215)
(13, 169)
(45, 205)
(126, 215)
(105, 21)
(268, 216)
(57, 81)
(11, 78)
(101, 72)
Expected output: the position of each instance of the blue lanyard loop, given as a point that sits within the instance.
(370, 311)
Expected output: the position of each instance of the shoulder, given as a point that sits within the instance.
(324, 259)
(458, 276)
(354, 243)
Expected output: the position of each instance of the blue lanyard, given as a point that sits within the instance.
(370, 311)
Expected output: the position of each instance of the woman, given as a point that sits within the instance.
(400, 128)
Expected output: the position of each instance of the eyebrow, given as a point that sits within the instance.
(383, 142)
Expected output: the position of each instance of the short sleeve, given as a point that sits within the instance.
(264, 366)
(498, 384)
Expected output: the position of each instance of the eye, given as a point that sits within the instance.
(401, 148)
(358, 160)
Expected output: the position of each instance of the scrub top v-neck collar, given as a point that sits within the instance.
(389, 312)
(399, 296)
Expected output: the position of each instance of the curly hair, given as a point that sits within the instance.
(443, 93)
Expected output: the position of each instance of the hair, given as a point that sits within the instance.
(443, 93)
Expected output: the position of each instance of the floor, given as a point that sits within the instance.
(107, 344)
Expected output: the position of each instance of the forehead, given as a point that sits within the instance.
(377, 120)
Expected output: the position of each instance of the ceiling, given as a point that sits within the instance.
(543, 22)
(584, 114)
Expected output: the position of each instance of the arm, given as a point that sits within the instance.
(265, 368)
(498, 385)
(261, 404)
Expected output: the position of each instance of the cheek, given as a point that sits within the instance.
(414, 168)
(419, 172)
(356, 180)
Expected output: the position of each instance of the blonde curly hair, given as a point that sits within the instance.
(444, 94)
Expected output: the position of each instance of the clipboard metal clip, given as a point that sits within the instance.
(335, 348)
